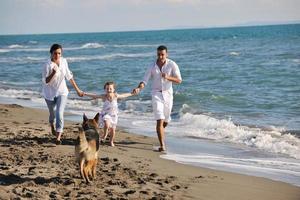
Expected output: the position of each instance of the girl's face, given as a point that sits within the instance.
(110, 89)
(56, 55)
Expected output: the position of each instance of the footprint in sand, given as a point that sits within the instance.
(129, 192)
(175, 187)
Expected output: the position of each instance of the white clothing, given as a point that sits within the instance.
(159, 83)
(162, 108)
(57, 86)
(162, 90)
(109, 112)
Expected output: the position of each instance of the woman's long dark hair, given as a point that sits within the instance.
(54, 47)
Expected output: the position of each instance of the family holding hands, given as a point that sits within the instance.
(163, 73)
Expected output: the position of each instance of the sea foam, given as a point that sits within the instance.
(108, 56)
(204, 126)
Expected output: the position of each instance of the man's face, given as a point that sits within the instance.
(56, 54)
(162, 55)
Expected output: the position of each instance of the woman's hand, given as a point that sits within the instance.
(54, 67)
(80, 93)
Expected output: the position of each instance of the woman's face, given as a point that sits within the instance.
(56, 55)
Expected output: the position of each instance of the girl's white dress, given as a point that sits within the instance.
(109, 112)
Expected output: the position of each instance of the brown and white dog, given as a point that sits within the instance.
(87, 147)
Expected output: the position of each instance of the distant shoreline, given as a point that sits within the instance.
(161, 29)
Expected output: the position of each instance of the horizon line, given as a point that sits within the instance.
(248, 24)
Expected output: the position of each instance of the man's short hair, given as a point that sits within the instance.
(161, 48)
(54, 47)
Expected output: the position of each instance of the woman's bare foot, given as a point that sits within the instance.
(58, 135)
(53, 129)
(58, 138)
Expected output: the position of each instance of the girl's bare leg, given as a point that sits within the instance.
(112, 136)
(105, 131)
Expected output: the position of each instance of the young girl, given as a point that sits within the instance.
(109, 113)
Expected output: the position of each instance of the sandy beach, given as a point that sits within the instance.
(33, 167)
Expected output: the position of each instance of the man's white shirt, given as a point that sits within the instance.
(160, 84)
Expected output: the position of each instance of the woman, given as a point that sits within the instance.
(55, 91)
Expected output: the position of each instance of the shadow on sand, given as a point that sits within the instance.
(39, 140)
(11, 179)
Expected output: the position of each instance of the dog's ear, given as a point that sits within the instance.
(96, 118)
(84, 117)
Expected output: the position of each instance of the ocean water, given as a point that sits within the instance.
(238, 108)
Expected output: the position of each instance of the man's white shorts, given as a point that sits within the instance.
(162, 103)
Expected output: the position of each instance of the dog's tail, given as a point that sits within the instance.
(82, 141)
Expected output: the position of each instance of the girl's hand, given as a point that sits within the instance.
(135, 91)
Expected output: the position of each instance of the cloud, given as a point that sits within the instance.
(44, 3)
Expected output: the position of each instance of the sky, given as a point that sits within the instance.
(73, 16)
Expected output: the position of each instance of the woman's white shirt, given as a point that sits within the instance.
(57, 85)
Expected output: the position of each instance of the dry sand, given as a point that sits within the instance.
(33, 167)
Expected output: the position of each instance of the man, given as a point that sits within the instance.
(163, 72)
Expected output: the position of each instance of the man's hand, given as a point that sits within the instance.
(135, 91)
(164, 75)
(171, 78)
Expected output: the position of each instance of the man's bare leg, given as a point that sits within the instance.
(161, 134)
(165, 124)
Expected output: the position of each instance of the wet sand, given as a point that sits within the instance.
(33, 167)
